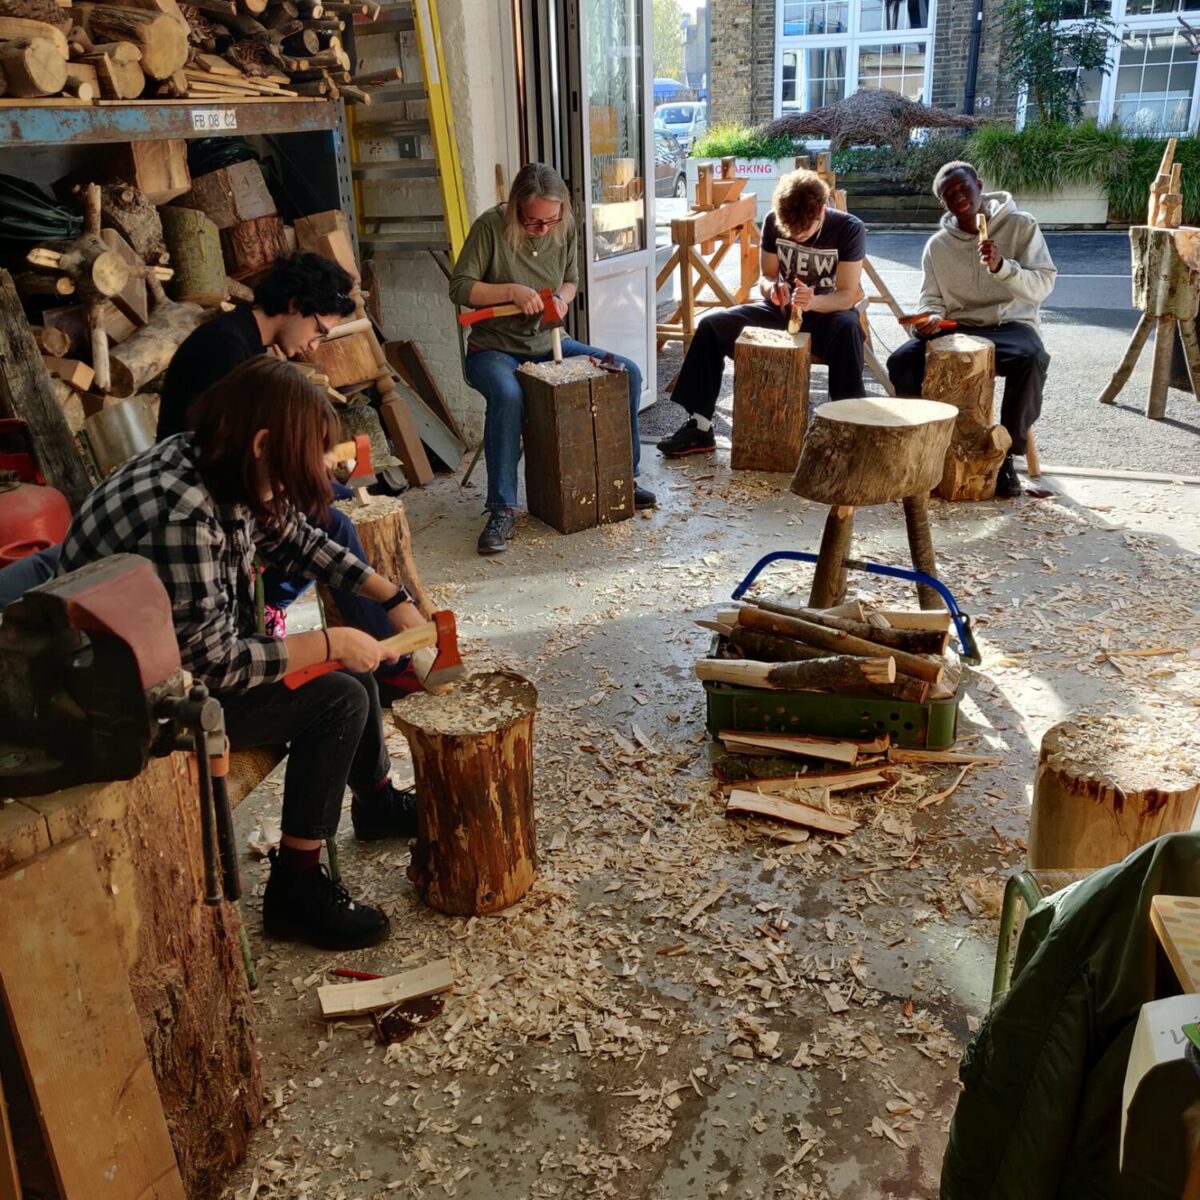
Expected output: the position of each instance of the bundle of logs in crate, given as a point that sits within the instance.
(849, 650)
(211, 49)
(157, 253)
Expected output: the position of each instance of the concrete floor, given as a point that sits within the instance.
(597, 1043)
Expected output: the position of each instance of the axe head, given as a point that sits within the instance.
(550, 317)
(446, 666)
(364, 472)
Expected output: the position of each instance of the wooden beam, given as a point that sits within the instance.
(26, 392)
(707, 226)
(370, 995)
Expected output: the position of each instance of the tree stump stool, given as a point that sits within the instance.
(1166, 263)
(1106, 785)
(872, 451)
(578, 444)
(382, 528)
(961, 370)
(770, 399)
(472, 751)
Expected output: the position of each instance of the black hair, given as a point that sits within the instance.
(948, 169)
(317, 285)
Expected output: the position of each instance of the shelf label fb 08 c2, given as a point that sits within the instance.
(214, 120)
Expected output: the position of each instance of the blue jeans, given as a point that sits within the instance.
(493, 373)
(18, 577)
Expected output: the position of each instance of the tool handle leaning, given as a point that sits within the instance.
(406, 642)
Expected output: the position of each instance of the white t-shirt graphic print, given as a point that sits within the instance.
(841, 238)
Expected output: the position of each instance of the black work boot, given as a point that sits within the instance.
(390, 812)
(644, 498)
(1007, 483)
(688, 439)
(307, 906)
(497, 533)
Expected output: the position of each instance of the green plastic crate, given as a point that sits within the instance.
(930, 726)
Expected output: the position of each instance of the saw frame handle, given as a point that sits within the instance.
(969, 648)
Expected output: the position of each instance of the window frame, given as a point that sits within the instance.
(1126, 24)
(853, 41)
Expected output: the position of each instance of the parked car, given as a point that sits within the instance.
(687, 120)
(670, 165)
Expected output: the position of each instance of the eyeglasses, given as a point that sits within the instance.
(540, 225)
(322, 331)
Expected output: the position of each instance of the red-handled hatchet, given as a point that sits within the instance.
(440, 633)
(549, 313)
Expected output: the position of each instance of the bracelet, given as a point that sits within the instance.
(399, 598)
(328, 647)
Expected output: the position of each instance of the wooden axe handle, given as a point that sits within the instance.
(486, 314)
(416, 638)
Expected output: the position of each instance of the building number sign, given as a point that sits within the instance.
(214, 120)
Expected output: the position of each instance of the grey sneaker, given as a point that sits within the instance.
(497, 533)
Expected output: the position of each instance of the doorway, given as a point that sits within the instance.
(586, 88)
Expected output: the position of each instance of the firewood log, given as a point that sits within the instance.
(148, 352)
(33, 67)
(836, 673)
(915, 641)
(160, 39)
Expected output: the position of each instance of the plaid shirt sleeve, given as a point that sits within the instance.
(297, 548)
(150, 507)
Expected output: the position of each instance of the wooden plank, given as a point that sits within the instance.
(898, 755)
(80, 1041)
(433, 431)
(407, 359)
(833, 781)
(370, 995)
(26, 392)
(708, 226)
(792, 811)
(406, 442)
(1176, 920)
(833, 749)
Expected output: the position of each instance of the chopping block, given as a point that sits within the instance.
(770, 399)
(578, 444)
(873, 450)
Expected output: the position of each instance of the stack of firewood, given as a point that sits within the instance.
(211, 50)
(99, 304)
(849, 650)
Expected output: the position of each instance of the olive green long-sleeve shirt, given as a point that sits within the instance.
(539, 262)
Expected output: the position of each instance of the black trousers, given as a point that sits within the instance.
(836, 339)
(1021, 361)
(333, 728)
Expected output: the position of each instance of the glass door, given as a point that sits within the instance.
(617, 188)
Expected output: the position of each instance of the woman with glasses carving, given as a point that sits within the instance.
(513, 252)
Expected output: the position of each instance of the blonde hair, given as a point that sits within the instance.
(535, 181)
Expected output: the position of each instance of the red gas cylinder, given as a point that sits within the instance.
(31, 518)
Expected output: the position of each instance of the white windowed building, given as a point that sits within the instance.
(1151, 84)
(829, 49)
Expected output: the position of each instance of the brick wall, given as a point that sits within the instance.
(995, 97)
(742, 86)
(744, 60)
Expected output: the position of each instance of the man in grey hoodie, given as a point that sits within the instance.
(993, 288)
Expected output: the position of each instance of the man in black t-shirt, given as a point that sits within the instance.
(295, 305)
(811, 261)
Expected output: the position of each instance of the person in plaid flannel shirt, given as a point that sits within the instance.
(200, 506)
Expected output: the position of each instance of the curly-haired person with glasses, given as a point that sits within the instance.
(512, 252)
